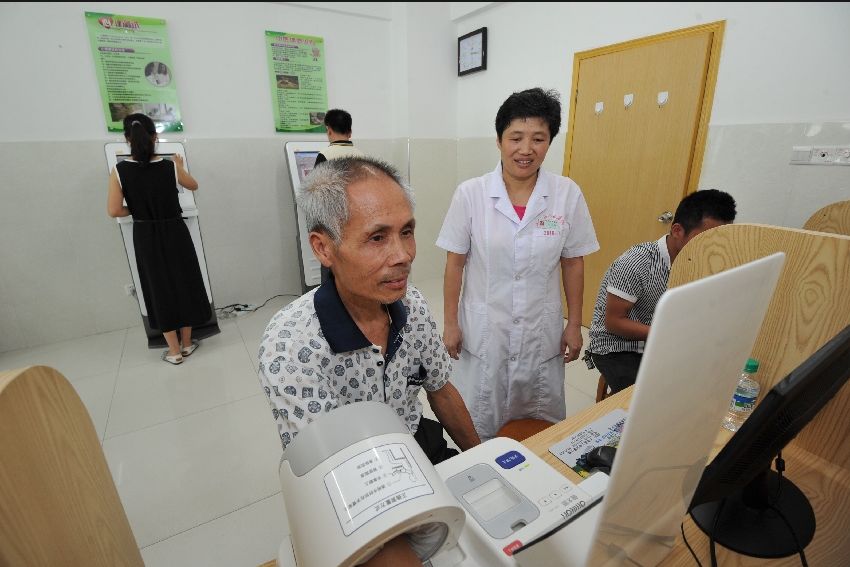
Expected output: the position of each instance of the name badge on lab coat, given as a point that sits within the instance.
(549, 225)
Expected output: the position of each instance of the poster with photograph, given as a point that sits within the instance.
(299, 90)
(132, 60)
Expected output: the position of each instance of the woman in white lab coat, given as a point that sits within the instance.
(518, 233)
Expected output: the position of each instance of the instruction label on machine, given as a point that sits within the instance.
(372, 482)
(604, 431)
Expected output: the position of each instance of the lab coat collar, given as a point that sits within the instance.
(340, 330)
(536, 203)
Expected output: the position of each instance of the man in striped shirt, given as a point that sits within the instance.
(633, 284)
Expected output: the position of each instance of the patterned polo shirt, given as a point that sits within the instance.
(640, 277)
(313, 358)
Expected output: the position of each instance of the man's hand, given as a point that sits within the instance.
(453, 339)
(571, 342)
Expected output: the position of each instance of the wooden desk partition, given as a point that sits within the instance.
(811, 304)
(834, 218)
(58, 503)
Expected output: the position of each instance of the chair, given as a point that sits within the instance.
(521, 429)
(58, 503)
(602, 390)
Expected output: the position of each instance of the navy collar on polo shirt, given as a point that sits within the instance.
(340, 330)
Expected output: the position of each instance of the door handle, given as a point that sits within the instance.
(666, 217)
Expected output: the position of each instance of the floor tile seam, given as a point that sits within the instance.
(217, 406)
(262, 498)
(114, 388)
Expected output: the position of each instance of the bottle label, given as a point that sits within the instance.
(743, 403)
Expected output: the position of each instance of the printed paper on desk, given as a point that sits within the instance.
(604, 431)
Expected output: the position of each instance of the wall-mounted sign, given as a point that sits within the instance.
(132, 60)
(299, 90)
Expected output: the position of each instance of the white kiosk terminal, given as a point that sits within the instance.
(119, 151)
(301, 156)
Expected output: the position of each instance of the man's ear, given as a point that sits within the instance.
(677, 231)
(323, 248)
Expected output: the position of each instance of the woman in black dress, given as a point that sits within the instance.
(170, 275)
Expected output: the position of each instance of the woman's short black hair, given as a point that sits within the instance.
(531, 103)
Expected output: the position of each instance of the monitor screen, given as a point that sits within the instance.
(740, 501)
(121, 157)
(305, 160)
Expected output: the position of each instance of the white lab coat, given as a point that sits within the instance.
(510, 310)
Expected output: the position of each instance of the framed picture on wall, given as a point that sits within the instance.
(472, 52)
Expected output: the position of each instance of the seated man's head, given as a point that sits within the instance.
(338, 123)
(699, 212)
(359, 213)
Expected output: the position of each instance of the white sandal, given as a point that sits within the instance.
(172, 358)
(186, 351)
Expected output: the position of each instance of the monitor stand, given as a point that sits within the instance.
(748, 522)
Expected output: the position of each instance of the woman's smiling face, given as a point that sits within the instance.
(523, 146)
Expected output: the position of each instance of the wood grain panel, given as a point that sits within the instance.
(834, 219)
(810, 306)
(58, 503)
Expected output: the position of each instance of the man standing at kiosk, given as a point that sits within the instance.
(338, 125)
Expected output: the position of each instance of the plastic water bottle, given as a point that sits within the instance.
(744, 399)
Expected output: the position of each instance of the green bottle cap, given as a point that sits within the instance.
(752, 366)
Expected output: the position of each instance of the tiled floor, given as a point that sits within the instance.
(193, 448)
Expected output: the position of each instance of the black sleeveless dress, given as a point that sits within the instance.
(169, 272)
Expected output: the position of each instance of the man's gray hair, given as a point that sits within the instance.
(323, 198)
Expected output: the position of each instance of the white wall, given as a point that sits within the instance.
(219, 60)
(780, 62)
(429, 119)
(782, 77)
(62, 263)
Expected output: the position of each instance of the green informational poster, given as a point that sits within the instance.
(299, 90)
(133, 64)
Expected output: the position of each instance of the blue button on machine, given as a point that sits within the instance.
(510, 459)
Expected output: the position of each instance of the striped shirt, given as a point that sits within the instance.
(639, 276)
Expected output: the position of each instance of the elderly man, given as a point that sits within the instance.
(364, 334)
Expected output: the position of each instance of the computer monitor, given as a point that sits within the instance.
(740, 502)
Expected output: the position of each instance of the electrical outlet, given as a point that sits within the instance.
(820, 155)
(130, 290)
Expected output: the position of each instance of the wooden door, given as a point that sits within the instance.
(635, 161)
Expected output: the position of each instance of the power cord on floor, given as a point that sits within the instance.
(234, 309)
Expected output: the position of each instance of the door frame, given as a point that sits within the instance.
(716, 29)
